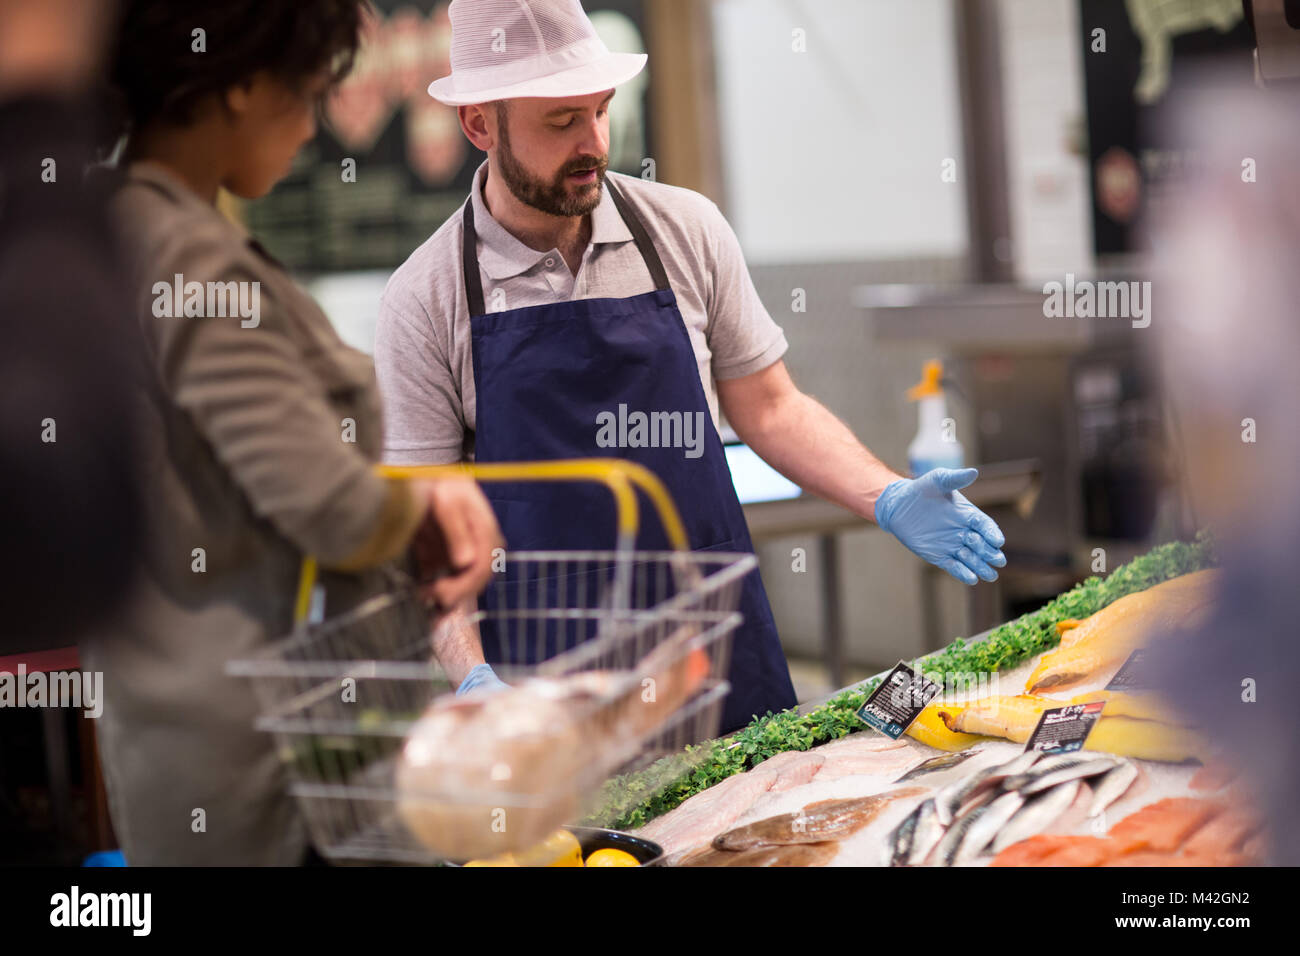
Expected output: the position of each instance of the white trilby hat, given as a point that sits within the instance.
(501, 49)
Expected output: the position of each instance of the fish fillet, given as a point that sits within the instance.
(802, 854)
(1178, 831)
(1054, 851)
(866, 753)
(1144, 739)
(930, 730)
(816, 823)
(705, 815)
(1013, 718)
(1105, 640)
(1142, 706)
(1221, 840)
(793, 768)
(859, 743)
(1163, 826)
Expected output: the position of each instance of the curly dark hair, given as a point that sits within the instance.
(154, 75)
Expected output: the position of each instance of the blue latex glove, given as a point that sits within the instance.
(482, 677)
(934, 520)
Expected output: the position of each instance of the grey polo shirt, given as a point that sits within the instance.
(423, 354)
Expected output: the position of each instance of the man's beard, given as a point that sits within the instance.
(551, 197)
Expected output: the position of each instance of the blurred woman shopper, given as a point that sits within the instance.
(262, 428)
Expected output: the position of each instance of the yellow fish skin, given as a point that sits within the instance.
(930, 730)
(1012, 718)
(1138, 706)
(1105, 640)
(1145, 740)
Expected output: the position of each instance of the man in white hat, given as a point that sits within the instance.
(565, 307)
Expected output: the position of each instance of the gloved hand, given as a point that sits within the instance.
(482, 677)
(934, 520)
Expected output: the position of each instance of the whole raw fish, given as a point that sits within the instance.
(1111, 787)
(1037, 815)
(988, 823)
(928, 833)
(950, 800)
(934, 764)
(815, 823)
(899, 844)
(1078, 767)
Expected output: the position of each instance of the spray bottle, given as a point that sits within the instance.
(935, 444)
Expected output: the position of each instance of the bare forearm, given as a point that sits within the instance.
(457, 645)
(802, 439)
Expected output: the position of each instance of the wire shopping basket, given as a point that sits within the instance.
(639, 640)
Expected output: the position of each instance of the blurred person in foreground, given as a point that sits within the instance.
(262, 430)
(69, 506)
(1228, 331)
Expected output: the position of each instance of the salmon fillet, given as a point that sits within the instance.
(1049, 850)
(1163, 826)
(1222, 838)
(1178, 831)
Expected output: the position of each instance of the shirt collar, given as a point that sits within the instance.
(143, 171)
(502, 256)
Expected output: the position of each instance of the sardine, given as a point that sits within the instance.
(950, 800)
(990, 821)
(1037, 815)
(928, 833)
(946, 852)
(899, 844)
(1037, 780)
(1111, 787)
(941, 762)
(815, 823)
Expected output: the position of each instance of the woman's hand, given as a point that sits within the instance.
(455, 544)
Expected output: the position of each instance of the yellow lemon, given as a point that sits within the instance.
(505, 859)
(561, 848)
(612, 857)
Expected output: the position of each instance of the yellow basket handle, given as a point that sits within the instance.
(616, 474)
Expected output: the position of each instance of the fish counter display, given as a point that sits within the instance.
(962, 790)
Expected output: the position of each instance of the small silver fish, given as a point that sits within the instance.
(946, 852)
(1038, 781)
(926, 836)
(1037, 815)
(951, 799)
(987, 826)
(899, 844)
(934, 764)
(1111, 787)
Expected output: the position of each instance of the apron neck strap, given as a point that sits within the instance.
(640, 236)
(469, 261)
(469, 249)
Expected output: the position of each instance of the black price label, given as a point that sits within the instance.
(898, 701)
(1063, 730)
(1131, 675)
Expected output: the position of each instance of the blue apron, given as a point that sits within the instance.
(544, 376)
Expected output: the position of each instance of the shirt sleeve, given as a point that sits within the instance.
(263, 407)
(742, 335)
(423, 417)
